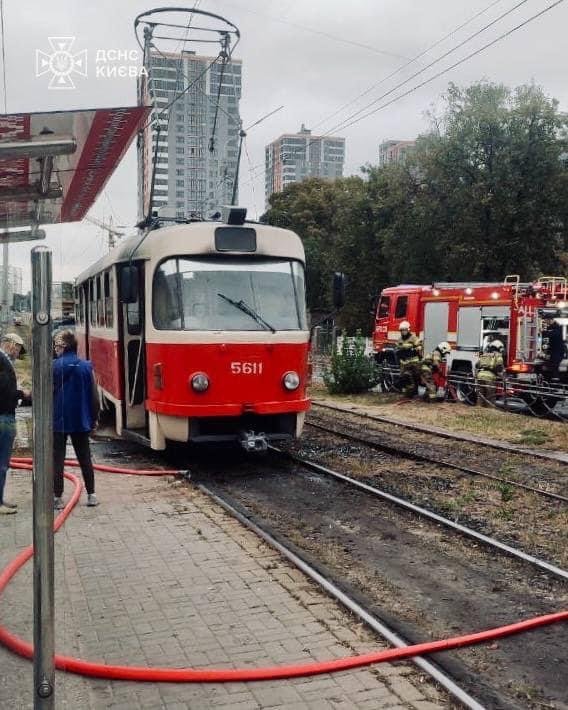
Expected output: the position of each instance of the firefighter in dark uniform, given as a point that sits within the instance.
(487, 369)
(408, 350)
(430, 366)
(554, 347)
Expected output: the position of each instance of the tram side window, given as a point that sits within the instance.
(134, 315)
(92, 303)
(108, 288)
(384, 306)
(133, 318)
(100, 303)
(82, 304)
(78, 304)
(165, 303)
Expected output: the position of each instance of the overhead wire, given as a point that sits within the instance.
(456, 64)
(410, 61)
(352, 120)
(321, 33)
(226, 54)
(435, 61)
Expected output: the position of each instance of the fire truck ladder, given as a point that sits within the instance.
(528, 345)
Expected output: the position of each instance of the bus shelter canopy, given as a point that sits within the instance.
(54, 165)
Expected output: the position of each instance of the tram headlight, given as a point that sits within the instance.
(291, 381)
(199, 382)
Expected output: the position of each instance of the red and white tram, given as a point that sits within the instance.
(197, 332)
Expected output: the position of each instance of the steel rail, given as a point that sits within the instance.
(402, 503)
(441, 462)
(378, 626)
(558, 457)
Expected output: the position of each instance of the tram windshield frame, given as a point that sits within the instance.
(191, 293)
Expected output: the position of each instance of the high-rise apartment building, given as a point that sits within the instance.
(11, 284)
(395, 151)
(295, 156)
(197, 143)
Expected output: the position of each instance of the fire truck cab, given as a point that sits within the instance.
(468, 316)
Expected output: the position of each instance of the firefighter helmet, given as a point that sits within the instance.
(404, 325)
(445, 348)
(496, 345)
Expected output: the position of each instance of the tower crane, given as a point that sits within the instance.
(108, 227)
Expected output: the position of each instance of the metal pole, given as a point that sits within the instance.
(42, 427)
(242, 136)
(4, 317)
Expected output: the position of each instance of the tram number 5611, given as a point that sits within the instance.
(246, 368)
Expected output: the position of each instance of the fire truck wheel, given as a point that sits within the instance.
(541, 406)
(462, 385)
(390, 373)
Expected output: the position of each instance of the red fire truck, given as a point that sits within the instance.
(470, 315)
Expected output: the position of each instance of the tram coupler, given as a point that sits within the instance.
(253, 442)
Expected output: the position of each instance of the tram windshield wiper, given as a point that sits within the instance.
(245, 308)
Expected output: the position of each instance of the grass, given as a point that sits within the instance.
(506, 490)
(491, 423)
(531, 437)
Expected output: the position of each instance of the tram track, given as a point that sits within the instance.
(415, 468)
(372, 442)
(324, 526)
(376, 624)
(434, 517)
(552, 456)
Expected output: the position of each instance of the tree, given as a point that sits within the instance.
(313, 208)
(492, 184)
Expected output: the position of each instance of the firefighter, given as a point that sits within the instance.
(489, 366)
(555, 347)
(408, 350)
(431, 369)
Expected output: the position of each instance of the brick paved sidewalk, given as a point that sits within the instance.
(159, 575)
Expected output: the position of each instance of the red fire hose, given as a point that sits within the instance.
(190, 675)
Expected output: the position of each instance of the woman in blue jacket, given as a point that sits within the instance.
(75, 412)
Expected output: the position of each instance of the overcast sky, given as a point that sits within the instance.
(313, 57)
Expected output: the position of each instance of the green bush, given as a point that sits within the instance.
(351, 371)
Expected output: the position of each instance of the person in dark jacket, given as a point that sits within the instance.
(555, 347)
(75, 412)
(11, 348)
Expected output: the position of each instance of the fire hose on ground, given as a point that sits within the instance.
(189, 675)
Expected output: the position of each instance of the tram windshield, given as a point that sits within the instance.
(200, 294)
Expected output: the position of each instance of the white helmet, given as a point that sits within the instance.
(404, 325)
(444, 348)
(496, 345)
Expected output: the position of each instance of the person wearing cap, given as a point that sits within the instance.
(75, 411)
(11, 348)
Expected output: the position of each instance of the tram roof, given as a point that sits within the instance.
(197, 239)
